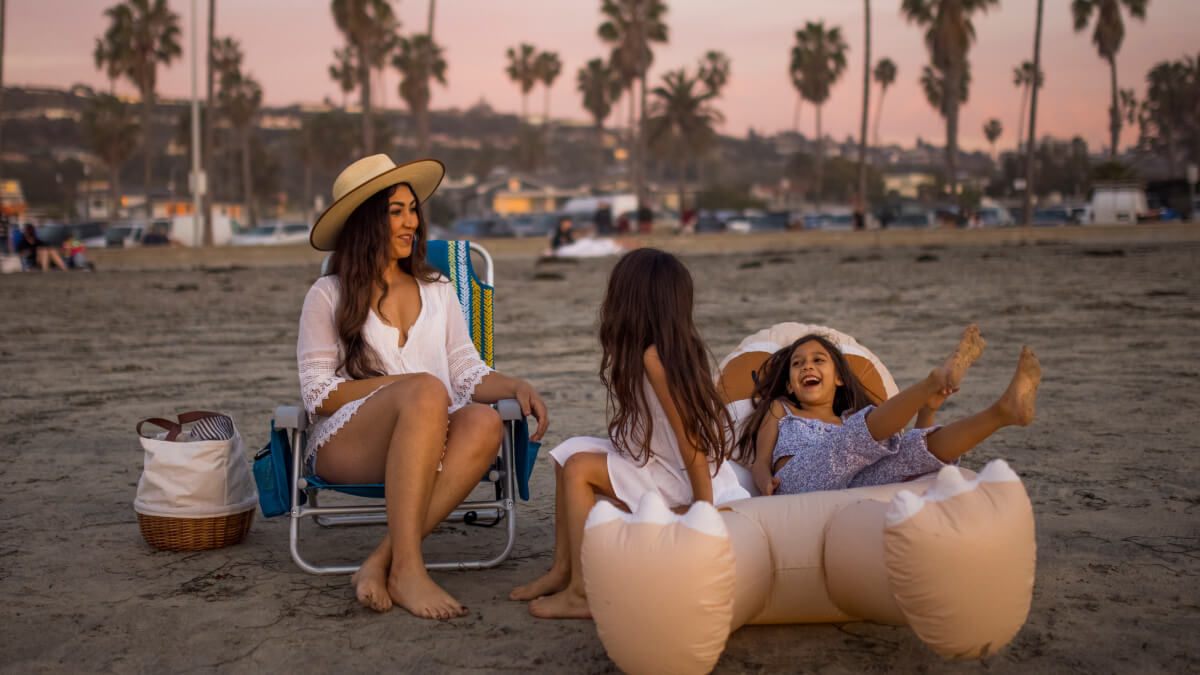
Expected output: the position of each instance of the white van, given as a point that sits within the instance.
(1118, 204)
(184, 230)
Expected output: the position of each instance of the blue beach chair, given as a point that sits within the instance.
(509, 474)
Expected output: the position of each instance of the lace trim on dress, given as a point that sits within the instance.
(318, 377)
(324, 428)
(466, 372)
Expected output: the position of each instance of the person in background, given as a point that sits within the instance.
(603, 218)
(73, 252)
(34, 251)
(563, 234)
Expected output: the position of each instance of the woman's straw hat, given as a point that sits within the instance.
(364, 178)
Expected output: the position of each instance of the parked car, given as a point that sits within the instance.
(1052, 217)
(1118, 204)
(913, 219)
(481, 228)
(273, 233)
(990, 216)
(123, 234)
(707, 221)
(54, 234)
(537, 224)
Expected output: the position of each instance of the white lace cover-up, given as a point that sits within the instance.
(438, 343)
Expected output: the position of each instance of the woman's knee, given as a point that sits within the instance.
(585, 467)
(419, 394)
(481, 424)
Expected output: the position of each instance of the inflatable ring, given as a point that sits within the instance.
(950, 556)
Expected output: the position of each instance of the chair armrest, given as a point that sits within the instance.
(509, 409)
(290, 417)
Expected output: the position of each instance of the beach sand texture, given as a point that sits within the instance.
(1110, 462)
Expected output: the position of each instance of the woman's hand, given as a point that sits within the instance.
(532, 404)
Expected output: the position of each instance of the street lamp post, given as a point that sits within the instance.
(1193, 176)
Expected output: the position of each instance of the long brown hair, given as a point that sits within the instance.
(771, 380)
(359, 261)
(649, 302)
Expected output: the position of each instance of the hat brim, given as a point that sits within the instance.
(424, 175)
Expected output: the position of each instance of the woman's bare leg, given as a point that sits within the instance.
(559, 574)
(399, 433)
(1015, 407)
(891, 416)
(584, 476)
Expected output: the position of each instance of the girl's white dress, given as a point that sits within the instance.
(438, 343)
(663, 473)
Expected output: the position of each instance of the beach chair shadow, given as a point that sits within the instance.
(508, 475)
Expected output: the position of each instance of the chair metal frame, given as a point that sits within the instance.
(294, 420)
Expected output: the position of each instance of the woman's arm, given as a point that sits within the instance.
(764, 449)
(495, 386)
(694, 461)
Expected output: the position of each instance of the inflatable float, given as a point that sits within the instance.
(952, 556)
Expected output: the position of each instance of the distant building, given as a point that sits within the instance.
(906, 184)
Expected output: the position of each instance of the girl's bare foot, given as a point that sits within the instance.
(370, 583)
(553, 581)
(951, 372)
(1017, 402)
(565, 604)
(413, 590)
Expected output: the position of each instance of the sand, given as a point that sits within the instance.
(1110, 463)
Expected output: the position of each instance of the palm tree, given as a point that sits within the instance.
(3, 17)
(600, 88)
(866, 105)
(932, 81)
(369, 27)
(714, 71)
(948, 36)
(207, 143)
(145, 34)
(419, 60)
(112, 133)
(631, 26)
(1023, 77)
(885, 75)
(1107, 36)
(1033, 99)
(547, 66)
(111, 52)
(1168, 108)
(344, 71)
(239, 99)
(522, 70)
(818, 60)
(992, 131)
(681, 120)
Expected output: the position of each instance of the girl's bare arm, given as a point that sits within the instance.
(694, 461)
(764, 448)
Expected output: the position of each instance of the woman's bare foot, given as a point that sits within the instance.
(415, 591)
(565, 604)
(951, 372)
(553, 581)
(1017, 402)
(370, 582)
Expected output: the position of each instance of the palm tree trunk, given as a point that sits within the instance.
(866, 105)
(1021, 119)
(308, 196)
(796, 113)
(247, 186)
(147, 125)
(682, 166)
(207, 142)
(1114, 113)
(432, 7)
(599, 153)
(640, 175)
(879, 113)
(1033, 99)
(3, 17)
(546, 111)
(422, 115)
(950, 88)
(820, 181)
(364, 87)
(114, 188)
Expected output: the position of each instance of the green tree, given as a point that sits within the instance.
(715, 69)
(142, 35)
(1108, 35)
(1023, 79)
(992, 131)
(419, 61)
(631, 27)
(932, 81)
(239, 99)
(818, 60)
(681, 121)
(112, 133)
(547, 65)
(522, 70)
(866, 107)
(885, 75)
(948, 37)
(369, 27)
(344, 71)
(600, 88)
(1168, 116)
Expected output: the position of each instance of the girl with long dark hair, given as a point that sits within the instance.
(814, 427)
(391, 379)
(668, 431)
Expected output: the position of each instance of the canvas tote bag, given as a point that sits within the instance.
(201, 472)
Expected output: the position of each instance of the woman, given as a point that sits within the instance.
(391, 378)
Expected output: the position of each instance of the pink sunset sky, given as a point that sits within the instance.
(289, 45)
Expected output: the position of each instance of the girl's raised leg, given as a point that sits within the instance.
(584, 476)
(1015, 407)
(891, 416)
(559, 574)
